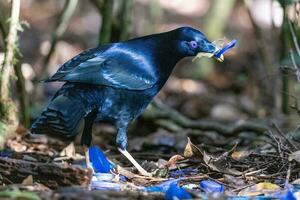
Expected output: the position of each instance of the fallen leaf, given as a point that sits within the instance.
(192, 150)
(295, 156)
(173, 160)
(28, 180)
(240, 155)
(69, 151)
(219, 164)
(262, 188)
(16, 146)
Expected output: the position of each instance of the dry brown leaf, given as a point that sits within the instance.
(192, 150)
(28, 180)
(16, 145)
(263, 188)
(240, 155)
(69, 151)
(173, 160)
(219, 164)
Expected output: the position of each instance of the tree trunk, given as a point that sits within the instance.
(8, 117)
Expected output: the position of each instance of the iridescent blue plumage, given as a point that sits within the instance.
(115, 82)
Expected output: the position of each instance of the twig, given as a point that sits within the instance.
(285, 138)
(296, 67)
(294, 37)
(61, 27)
(288, 175)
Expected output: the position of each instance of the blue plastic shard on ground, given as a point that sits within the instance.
(288, 196)
(228, 46)
(6, 153)
(104, 185)
(210, 186)
(182, 172)
(98, 160)
(162, 187)
(175, 192)
(103, 177)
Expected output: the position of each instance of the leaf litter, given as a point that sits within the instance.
(270, 168)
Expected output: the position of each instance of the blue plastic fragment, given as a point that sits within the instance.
(6, 153)
(103, 176)
(238, 198)
(122, 178)
(176, 192)
(98, 160)
(288, 196)
(162, 187)
(296, 187)
(182, 172)
(104, 185)
(228, 46)
(210, 186)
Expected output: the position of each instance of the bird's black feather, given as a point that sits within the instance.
(115, 82)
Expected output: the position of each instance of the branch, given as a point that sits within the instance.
(107, 14)
(61, 27)
(158, 111)
(294, 37)
(126, 19)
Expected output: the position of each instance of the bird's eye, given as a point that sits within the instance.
(193, 44)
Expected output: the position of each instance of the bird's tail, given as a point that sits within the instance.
(63, 117)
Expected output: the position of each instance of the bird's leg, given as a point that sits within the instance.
(122, 145)
(86, 137)
(87, 156)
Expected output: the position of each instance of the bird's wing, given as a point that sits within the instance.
(116, 70)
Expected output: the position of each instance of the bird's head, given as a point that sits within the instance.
(191, 42)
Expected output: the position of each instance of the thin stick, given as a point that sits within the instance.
(133, 161)
(294, 37)
(62, 25)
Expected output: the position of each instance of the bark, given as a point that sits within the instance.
(8, 117)
(50, 174)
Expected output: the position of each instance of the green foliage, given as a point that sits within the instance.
(285, 3)
(17, 194)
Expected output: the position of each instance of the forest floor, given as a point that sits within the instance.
(204, 163)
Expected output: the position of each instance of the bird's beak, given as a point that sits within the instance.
(217, 55)
(210, 50)
(219, 58)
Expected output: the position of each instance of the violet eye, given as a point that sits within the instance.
(193, 44)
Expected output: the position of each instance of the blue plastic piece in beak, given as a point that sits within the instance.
(228, 46)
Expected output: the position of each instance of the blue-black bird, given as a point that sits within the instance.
(115, 83)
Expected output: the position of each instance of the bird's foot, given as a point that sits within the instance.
(133, 161)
